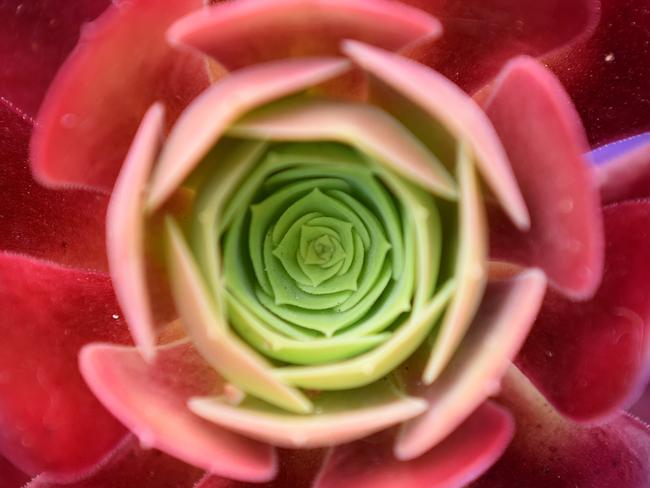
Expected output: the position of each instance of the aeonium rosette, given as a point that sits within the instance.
(298, 243)
(325, 256)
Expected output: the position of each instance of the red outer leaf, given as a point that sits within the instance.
(592, 358)
(459, 459)
(607, 75)
(500, 326)
(121, 65)
(131, 466)
(551, 451)
(480, 35)
(544, 140)
(248, 32)
(298, 468)
(35, 38)
(62, 226)
(49, 420)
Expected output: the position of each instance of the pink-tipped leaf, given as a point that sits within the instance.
(125, 228)
(248, 32)
(150, 399)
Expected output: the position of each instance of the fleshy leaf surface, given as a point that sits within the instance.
(150, 399)
(131, 465)
(298, 468)
(590, 359)
(549, 450)
(125, 228)
(423, 100)
(544, 140)
(367, 128)
(66, 227)
(470, 268)
(79, 141)
(481, 35)
(35, 39)
(462, 457)
(377, 363)
(497, 332)
(222, 349)
(240, 34)
(209, 115)
(49, 421)
(338, 416)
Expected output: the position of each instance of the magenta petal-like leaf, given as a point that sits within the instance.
(422, 99)
(551, 451)
(480, 35)
(150, 399)
(239, 34)
(209, 116)
(35, 38)
(49, 421)
(543, 137)
(460, 458)
(473, 374)
(592, 358)
(62, 226)
(121, 66)
(125, 231)
(131, 465)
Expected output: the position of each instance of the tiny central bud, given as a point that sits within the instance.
(324, 251)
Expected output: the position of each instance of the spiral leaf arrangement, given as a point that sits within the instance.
(317, 261)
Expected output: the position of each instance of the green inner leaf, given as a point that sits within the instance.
(318, 257)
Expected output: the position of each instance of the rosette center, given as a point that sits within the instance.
(317, 247)
(319, 257)
(322, 249)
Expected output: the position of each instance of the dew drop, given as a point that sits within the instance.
(609, 57)
(566, 205)
(233, 395)
(571, 245)
(115, 316)
(122, 5)
(69, 121)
